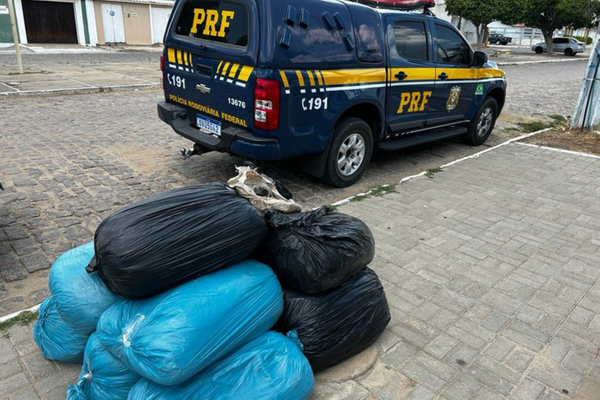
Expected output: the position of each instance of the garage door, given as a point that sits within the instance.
(160, 18)
(49, 22)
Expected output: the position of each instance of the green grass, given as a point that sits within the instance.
(558, 118)
(376, 192)
(360, 197)
(431, 172)
(382, 190)
(25, 318)
(534, 126)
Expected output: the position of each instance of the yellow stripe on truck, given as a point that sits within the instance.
(311, 78)
(171, 55)
(234, 70)
(412, 74)
(284, 79)
(459, 73)
(245, 73)
(319, 77)
(352, 76)
(300, 78)
(489, 73)
(225, 68)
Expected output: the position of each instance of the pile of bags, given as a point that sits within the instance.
(333, 303)
(170, 302)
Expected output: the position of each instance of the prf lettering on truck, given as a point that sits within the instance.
(416, 101)
(210, 19)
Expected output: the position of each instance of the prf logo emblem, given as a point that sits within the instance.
(453, 98)
(210, 19)
(413, 102)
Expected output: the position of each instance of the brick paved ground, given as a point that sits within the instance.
(68, 161)
(78, 158)
(491, 271)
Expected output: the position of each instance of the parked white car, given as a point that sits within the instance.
(568, 45)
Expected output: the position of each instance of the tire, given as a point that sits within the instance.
(480, 128)
(349, 153)
(498, 42)
(569, 52)
(539, 50)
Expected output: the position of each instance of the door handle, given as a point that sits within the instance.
(443, 76)
(401, 76)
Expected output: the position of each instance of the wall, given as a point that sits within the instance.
(5, 29)
(136, 21)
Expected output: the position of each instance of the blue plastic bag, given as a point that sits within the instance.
(81, 297)
(103, 376)
(55, 338)
(271, 367)
(173, 336)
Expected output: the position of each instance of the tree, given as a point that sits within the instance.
(550, 15)
(482, 12)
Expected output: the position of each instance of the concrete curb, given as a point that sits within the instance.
(576, 153)
(16, 314)
(538, 62)
(94, 89)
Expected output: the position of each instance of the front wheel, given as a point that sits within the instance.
(569, 52)
(480, 128)
(350, 152)
(539, 50)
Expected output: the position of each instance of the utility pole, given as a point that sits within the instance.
(587, 112)
(13, 24)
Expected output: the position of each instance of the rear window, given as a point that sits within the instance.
(216, 21)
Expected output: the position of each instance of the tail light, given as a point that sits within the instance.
(162, 72)
(266, 104)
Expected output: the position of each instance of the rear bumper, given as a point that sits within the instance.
(233, 140)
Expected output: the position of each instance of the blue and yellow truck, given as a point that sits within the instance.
(323, 81)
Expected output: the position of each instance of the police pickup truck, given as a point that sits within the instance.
(323, 80)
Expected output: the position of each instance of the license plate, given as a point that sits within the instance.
(208, 125)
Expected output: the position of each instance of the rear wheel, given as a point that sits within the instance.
(498, 42)
(539, 50)
(480, 128)
(569, 52)
(350, 152)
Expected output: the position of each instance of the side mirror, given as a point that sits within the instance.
(479, 59)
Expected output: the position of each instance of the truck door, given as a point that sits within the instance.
(410, 75)
(456, 78)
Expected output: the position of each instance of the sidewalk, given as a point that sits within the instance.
(82, 78)
(491, 272)
(79, 77)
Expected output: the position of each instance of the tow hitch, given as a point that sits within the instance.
(188, 153)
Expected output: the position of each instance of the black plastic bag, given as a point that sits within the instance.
(317, 250)
(339, 324)
(165, 240)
